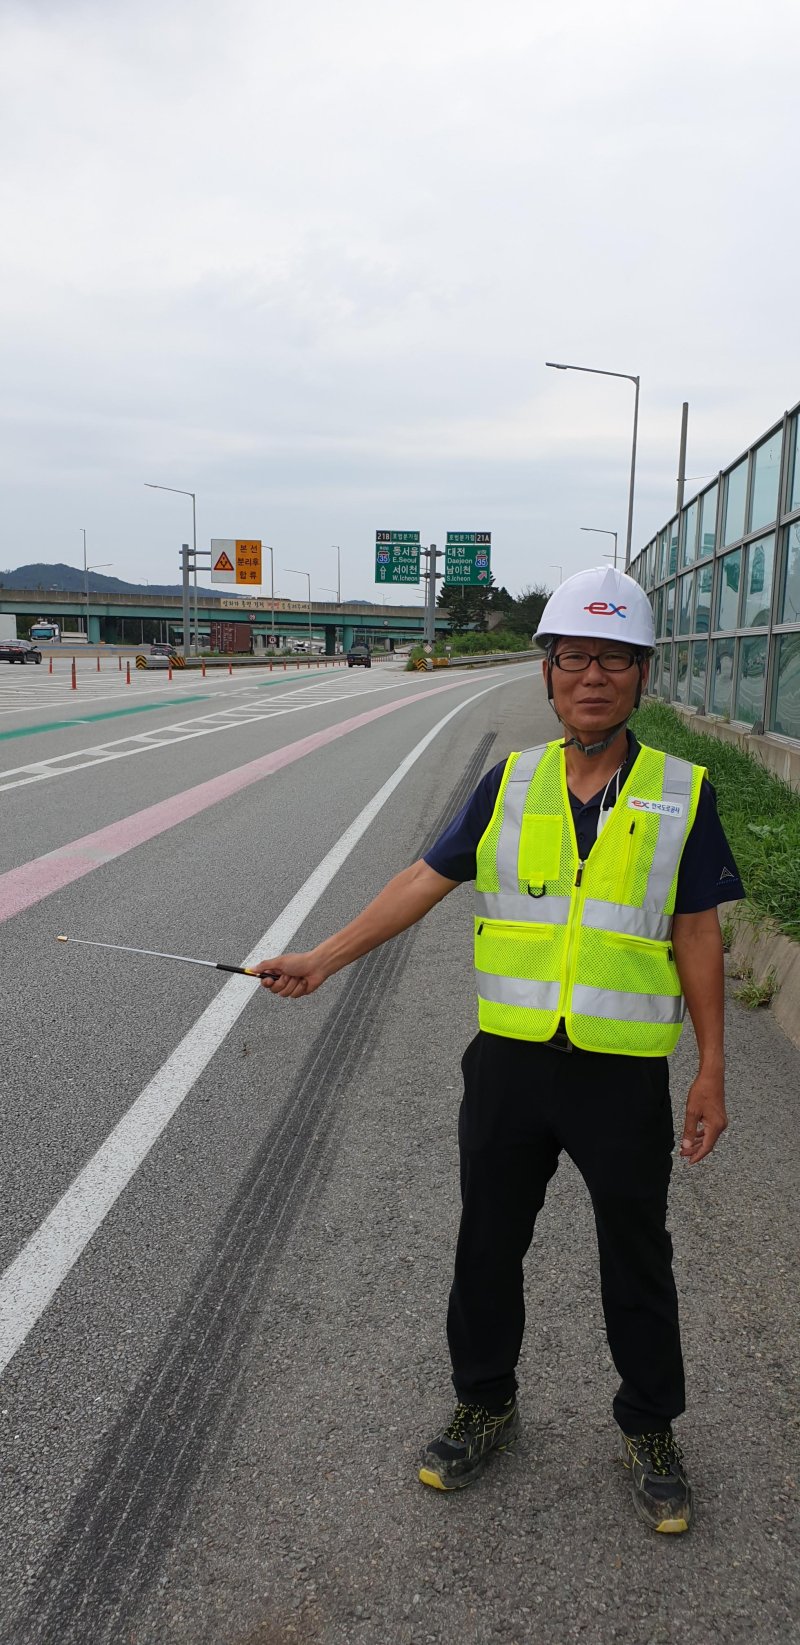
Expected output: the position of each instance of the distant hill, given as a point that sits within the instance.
(68, 579)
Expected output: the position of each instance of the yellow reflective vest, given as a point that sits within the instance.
(589, 941)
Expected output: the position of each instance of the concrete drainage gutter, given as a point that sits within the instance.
(758, 948)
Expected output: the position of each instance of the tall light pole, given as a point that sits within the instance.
(601, 533)
(560, 571)
(86, 570)
(335, 591)
(180, 493)
(338, 575)
(306, 574)
(271, 553)
(629, 378)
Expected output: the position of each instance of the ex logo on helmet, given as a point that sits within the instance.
(601, 608)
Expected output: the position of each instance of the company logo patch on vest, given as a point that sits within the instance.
(661, 808)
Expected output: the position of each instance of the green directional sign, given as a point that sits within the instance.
(468, 557)
(397, 556)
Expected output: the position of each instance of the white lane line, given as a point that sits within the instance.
(88, 692)
(181, 731)
(32, 1279)
(207, 688)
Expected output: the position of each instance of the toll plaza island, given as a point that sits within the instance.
(139, 618)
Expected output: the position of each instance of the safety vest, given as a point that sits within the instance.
(589, 941)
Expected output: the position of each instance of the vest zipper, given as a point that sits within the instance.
(573, 926)
(626, 878)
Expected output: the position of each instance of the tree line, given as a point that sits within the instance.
(471, 609)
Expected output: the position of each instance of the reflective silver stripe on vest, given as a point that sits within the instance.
(671, 830)
(521, 910)
(537, 996)
(514, 797)
(606, 1002)
(648, 923)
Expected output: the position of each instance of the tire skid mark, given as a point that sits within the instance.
(127, 1514)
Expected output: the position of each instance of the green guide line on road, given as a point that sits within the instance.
(89, 719)
(136, 708)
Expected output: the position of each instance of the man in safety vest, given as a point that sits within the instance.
(598, 866)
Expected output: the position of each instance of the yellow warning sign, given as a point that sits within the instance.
(248, 562)
(234, 560)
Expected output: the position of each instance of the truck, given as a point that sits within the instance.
(231, 638)
(8, 626)
(44, 630)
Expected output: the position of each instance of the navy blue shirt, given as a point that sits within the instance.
(707, 875)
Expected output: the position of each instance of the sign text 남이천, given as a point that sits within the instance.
(468, 558)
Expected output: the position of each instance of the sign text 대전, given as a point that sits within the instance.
(468, 558)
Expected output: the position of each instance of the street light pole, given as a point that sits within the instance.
(180, 493)
(629, 378)
(338, 574)
(306, 574)
(601, 533)
(271, 553)
(86, 570)
(85, 583)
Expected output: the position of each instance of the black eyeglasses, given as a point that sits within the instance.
(613, 662)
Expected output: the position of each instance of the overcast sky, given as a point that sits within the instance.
(308, 257)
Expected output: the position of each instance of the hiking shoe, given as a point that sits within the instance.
(662, 1494)
(461, 1451)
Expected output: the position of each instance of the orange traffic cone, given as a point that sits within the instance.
(128, 672)
(74, 676)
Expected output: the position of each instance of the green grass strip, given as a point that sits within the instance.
(759, 812)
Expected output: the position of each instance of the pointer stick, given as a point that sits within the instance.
(216, 965)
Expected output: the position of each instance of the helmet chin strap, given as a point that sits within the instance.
(595, 748)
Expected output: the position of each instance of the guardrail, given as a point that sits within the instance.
(485, 659)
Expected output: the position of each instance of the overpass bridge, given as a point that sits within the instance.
(138, 618)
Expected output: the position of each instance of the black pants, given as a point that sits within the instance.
(522, 1104)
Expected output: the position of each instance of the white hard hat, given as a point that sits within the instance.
(601, 604)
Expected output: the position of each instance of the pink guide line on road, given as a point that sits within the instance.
(22, 887)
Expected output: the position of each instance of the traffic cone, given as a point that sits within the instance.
(98, 662)
(50, 669)
(74, 676)
(169, 672)
(128, 672)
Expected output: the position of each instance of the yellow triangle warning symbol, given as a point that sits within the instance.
(223, 563)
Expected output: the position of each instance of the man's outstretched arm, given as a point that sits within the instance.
(406, 899)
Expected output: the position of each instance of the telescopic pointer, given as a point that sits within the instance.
(186, 959)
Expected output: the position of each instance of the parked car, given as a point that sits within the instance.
(19, 651)
(359, 655)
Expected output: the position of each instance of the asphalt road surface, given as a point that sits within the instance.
(229, 1220)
